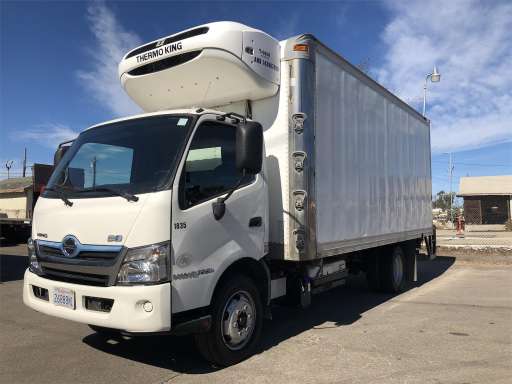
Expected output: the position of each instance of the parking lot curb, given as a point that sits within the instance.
(487, 254)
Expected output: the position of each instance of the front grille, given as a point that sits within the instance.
(76, 277)
(172, 39)
(160, 65)
(49, 251)
(46, 251)
(97, 255)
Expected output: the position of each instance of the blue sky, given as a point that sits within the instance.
(58, 65)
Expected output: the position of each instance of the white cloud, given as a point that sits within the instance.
(471, 44)
(49, 135)
(112, 42)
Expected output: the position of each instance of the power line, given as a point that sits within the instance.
(475, 164)
(485, 165)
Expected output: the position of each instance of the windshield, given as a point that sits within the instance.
(133, 156)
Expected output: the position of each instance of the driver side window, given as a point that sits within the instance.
(210, 168)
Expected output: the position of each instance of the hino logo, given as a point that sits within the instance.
(70, 246)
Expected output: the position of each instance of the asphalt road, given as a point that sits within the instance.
(455, 326)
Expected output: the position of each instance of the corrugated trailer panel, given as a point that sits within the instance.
(372, 164)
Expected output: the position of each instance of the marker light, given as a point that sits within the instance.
(301, 48)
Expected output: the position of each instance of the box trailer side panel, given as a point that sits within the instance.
(13, 206)
(372, 167)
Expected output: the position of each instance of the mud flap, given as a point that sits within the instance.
(411, 265)
(430, 244)
(411, 262)
(305, 294)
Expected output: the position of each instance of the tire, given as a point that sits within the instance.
(237, 320)
(103, 331)
(392, 271)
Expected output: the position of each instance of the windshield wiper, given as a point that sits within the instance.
(60, 191)
(126, 195)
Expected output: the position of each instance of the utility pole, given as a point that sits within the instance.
(24, 162)
(8, 165)
(450, 174)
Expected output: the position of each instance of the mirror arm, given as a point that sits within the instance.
(65, 142)
(219, 207)
(233, 115)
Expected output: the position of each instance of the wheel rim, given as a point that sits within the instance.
(398, 269)
(238, 320)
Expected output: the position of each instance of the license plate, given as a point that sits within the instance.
(63, 297)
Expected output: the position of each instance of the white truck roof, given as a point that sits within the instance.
(209, 65)
(184, 111)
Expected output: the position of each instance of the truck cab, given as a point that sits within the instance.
(146, 219)
(133, 205)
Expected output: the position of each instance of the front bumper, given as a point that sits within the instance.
(127, 312)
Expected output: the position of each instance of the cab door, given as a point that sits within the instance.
(202, 246)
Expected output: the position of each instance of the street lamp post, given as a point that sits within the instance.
(435, 77)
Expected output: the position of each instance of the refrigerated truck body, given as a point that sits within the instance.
(260, 171)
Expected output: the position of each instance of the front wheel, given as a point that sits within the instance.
(237, 319)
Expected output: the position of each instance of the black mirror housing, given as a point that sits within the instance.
(249, 147)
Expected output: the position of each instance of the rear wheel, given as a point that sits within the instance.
(237, 319)
(392, 271)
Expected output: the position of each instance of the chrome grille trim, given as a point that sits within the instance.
(54, 248)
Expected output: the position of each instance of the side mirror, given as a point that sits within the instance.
(59, 154)
(249, 158)
(249, 147)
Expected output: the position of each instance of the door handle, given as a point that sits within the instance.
(255, 221)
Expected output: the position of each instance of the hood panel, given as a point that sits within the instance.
(91, 220)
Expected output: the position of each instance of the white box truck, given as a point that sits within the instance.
(261, 171)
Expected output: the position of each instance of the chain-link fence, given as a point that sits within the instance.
(486, 210)
(475, 236)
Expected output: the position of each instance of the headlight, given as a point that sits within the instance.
(145, 265)
(34, 265)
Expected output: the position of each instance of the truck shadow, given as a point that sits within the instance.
(339, 307)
